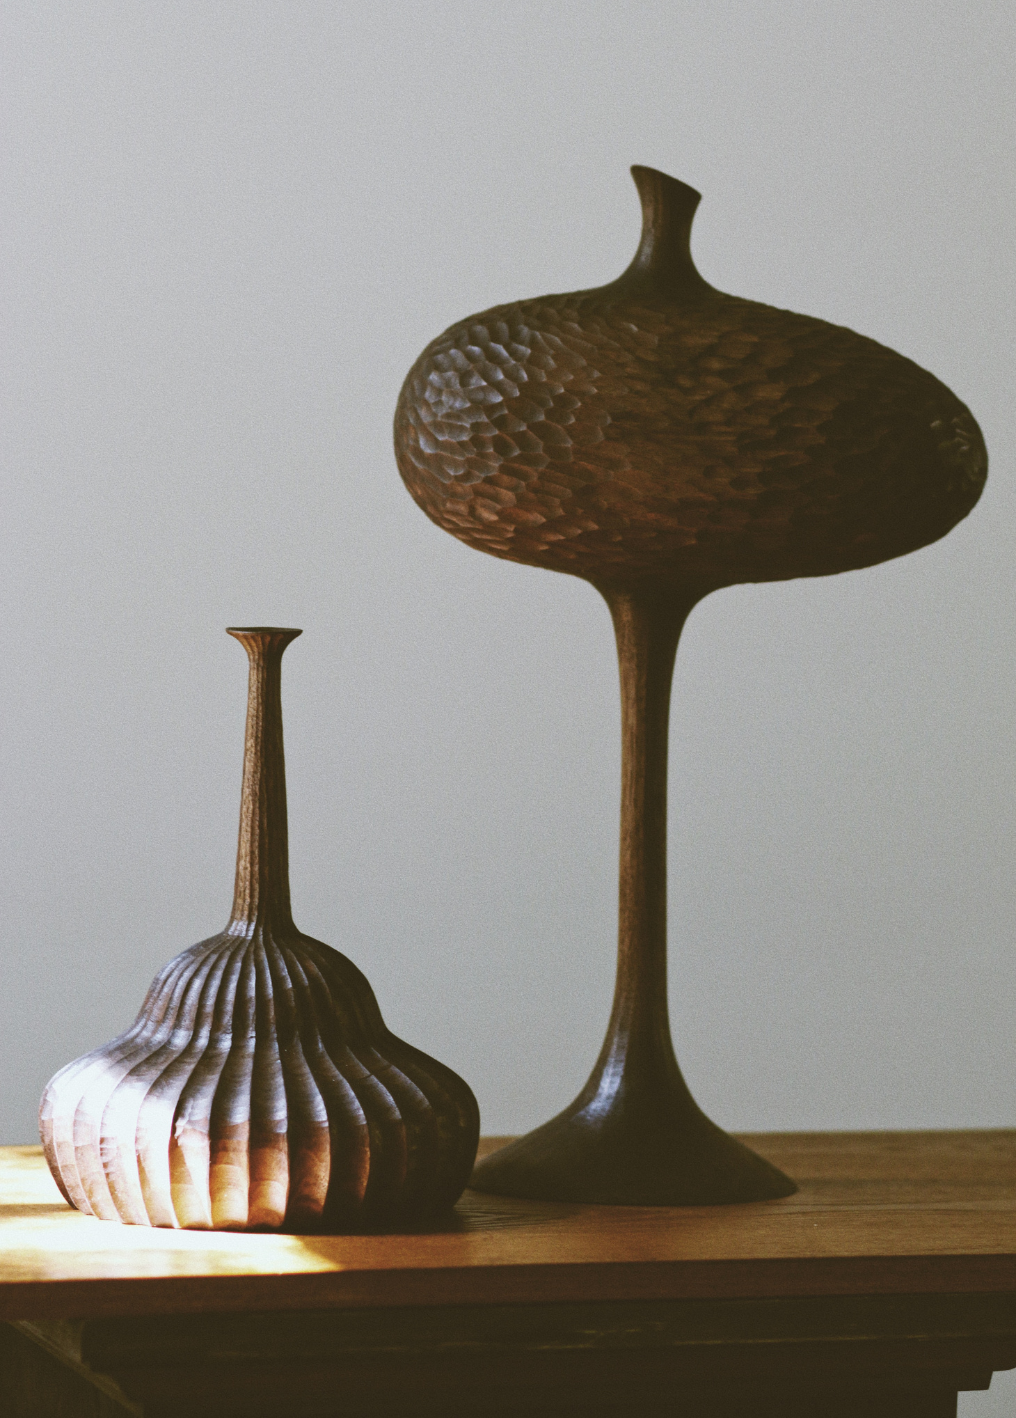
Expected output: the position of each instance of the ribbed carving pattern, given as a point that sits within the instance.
(258, 1087)
(656, 426)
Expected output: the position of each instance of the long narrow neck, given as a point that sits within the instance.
(261, 894)
(648, 623)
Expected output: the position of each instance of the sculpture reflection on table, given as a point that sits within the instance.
(259, 1089)
(662, 440)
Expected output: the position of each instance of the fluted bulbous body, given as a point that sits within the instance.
(656, 427)
(258, 1087)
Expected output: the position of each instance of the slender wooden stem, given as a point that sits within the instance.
(647, 624)
(261, 894)
(635, 1135)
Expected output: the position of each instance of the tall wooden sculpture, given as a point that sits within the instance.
(661, 440)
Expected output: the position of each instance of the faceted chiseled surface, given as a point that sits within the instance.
(661, 439)
(702, 436)
(257, 1089)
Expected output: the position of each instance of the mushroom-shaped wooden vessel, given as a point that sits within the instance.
(661, 440)
(258, 1088)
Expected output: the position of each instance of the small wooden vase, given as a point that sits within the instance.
(661, 440)
(258, 1088)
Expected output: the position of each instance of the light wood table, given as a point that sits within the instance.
(886, 1285)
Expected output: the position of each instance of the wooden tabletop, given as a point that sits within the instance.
(876, 1214)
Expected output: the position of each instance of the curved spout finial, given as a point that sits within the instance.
(663, 258)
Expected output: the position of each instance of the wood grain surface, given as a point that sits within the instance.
(259, 1088)
(662, 439)
(635, 1135)
(876, 1213)
(658, 428)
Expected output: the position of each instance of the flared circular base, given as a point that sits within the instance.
(621, 1161)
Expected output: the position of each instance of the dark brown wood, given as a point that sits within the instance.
(261, 890)
(662, 439)
(658, 428)
(712, 1361)
(39, 1378)
(635, 1135)
(886, 1285)
(259, 1088)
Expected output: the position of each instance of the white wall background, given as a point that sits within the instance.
(229, 230)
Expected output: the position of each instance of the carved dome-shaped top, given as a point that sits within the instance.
(657, 428)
